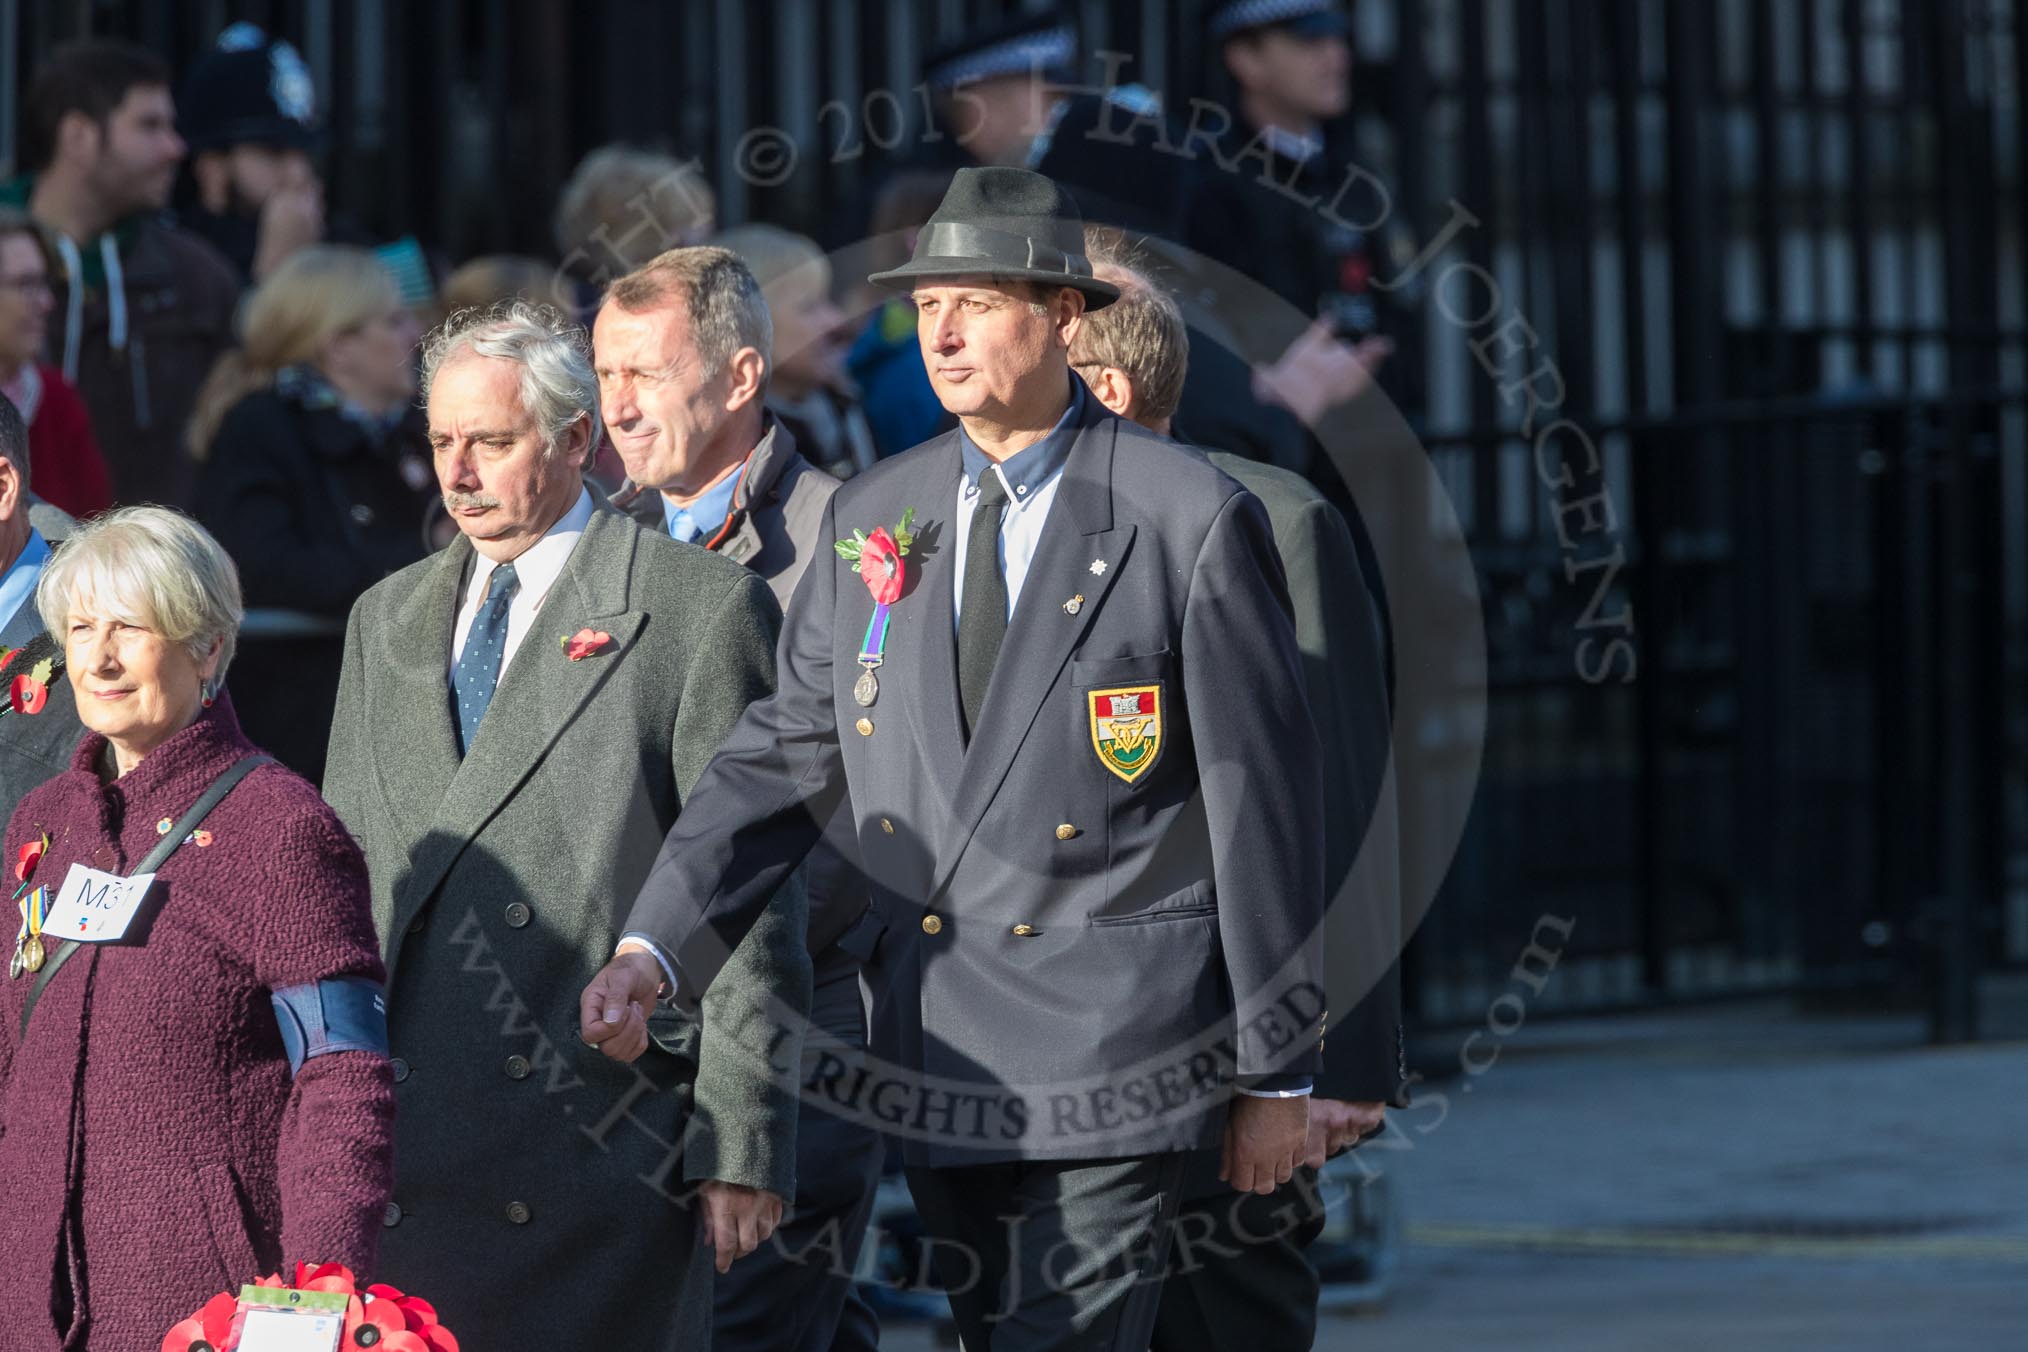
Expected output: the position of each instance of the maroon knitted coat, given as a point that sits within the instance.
(153, 1149)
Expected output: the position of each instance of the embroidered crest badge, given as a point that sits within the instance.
(1126, 728)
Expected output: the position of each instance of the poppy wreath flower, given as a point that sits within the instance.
(380, 1317)
(585, 642)
(877, 558)
(209, 1327)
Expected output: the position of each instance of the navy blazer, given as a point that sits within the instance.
(1077, 943)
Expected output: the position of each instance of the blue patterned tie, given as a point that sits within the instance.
(479, 665)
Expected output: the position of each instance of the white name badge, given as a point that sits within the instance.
(94, 907)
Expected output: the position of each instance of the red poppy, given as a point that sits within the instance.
(585, 642)
(325, 1276)
(383, 1315)
(8, 656)
(212, 1324)
(881, 568)
(28, 695)
(30, 856)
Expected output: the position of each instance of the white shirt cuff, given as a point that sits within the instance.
(655, 952)
(1277, 1093)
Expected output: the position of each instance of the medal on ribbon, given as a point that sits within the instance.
(877, 558)
(29, 950)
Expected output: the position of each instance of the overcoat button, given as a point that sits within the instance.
(400, 1069)
(887, 826)
(517, 1067)
(519, 1213)
(1065, 831)
(415, 926)
(391, 1217)
(517, 915)
(932, 924)
(865, 726)
(1024, 931)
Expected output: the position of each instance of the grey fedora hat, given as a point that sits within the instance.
(1006, 223)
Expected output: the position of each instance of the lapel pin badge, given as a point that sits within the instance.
(1098, 567)
(1074, 604)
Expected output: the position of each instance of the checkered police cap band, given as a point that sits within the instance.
(1051, 50)
(1244, 14)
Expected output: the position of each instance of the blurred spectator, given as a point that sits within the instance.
(621, 207)
(993, 88)
(317, 477)
(991, 100)
(886, 360)
(249, 116)
(807, 388)
(69, 471)
(143, 308)
(1285, 150)
(496, 279)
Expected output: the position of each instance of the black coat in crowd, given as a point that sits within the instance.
(315, 506)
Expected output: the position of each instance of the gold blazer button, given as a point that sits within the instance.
(1024, 930)
(1065, 831)
(865, 726)
(932, 924)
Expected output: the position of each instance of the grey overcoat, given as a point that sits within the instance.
(538, 1182)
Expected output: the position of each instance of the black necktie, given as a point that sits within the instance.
(982, 624)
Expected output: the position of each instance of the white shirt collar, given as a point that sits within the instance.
(537, 567)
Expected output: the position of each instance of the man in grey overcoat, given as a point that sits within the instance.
(520, 718)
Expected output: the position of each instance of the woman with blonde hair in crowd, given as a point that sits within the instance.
(316, 477)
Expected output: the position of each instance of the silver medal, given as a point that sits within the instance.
(866, 689)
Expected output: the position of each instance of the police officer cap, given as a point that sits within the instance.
(249, 89)
(1003, 223)
(1044, 44)
(1304, 18)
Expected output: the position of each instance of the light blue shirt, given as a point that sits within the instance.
(701, 519)
(17, 588)
(1031, 477)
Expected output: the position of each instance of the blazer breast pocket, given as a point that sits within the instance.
(1123, 710)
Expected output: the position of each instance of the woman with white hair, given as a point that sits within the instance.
(202, 1089)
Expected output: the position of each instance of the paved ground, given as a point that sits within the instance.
(1744, 1178)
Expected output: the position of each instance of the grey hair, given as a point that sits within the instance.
(558, 386)
(150, 566)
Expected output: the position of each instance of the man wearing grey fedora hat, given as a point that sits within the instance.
(1051, 679)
